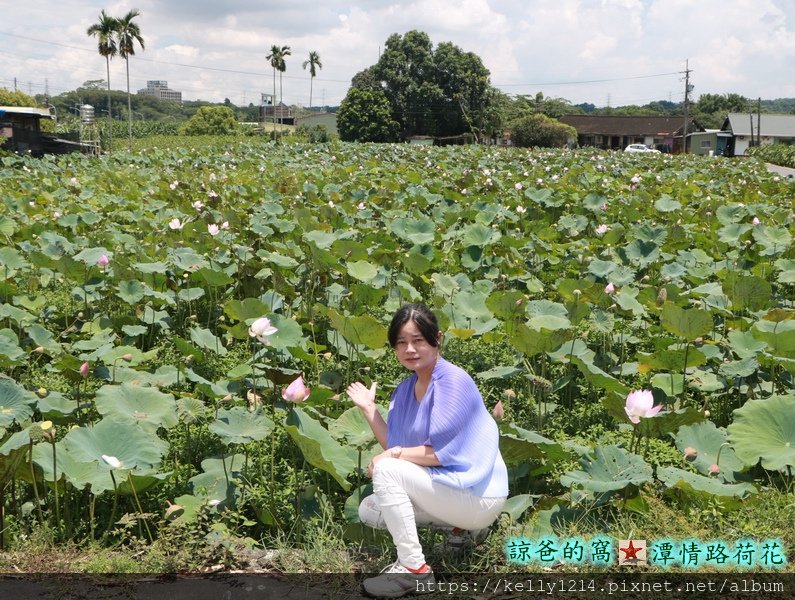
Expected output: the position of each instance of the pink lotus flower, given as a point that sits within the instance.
(756, 221)
(603, 206)
(361, 206)
(213, 229)
(103, 261)
(296, 391)
(639, 404)
(85, 368)
(600, 229)
(498, 412)
(261, 329)
(610, 288)
(198, 205)
(714, 469)
(225, 225)
(176, 224)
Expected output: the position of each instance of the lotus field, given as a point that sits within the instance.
(178, 326)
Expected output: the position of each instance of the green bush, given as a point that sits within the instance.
(778, 154)
(540, 131)
(211, 120)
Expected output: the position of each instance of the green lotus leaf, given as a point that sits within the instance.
(532, 341)
(187, 349)
(352, 427)
(765, 430)
(505, 372)
(246, 310)
(611, 469)
(134, 448)
(689, 482)
(360, 330)
(212, 277)
(289, 332)
(132, 291)
(191, 410)
(11, 261)
(601, 268)
(13, 456)
(744, 344)
(55, 405)
(669, 383)
(480, 235)
(145, 406)
(670, 359)
(774, 239)
(739, 368)
(747, 292)
(666, 422)
(362, 270)
(518, 446)
(640, 252)
(10, 352)
(16, 403)
(218, 481)
(626, 298)
(319, 448)
(779, 337)
(686, 323)
(667, 204)
(597, 377)
(705, 381)
(151, 268)
(711, 448)
(417, 231)
(237, 425)
(204, 338)
(518, 505)
(90, 256)
(351, 508)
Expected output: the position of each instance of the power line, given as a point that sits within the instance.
(586, 81)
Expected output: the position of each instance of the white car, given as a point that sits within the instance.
(640, 148)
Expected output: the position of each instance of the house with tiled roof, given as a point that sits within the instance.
(617, 132)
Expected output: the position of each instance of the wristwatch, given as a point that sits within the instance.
(395, 451)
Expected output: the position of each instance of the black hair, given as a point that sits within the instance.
(423, 318)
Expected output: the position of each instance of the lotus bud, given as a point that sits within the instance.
(662, 296)
(126, 357)
(227, 398)
(80, 315)
(42, 391)
(698, 342)
(714, 469)
(38, 349)
(188, 359)
(691, 454)
(85, 368)
(327, 355)
(706, 414)
(509, 394)
(577, 293)
(498, 412)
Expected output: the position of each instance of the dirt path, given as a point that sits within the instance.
(783, 171)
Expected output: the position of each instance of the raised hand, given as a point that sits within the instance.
(362, 396)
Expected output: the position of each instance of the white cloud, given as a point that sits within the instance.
(559, 47)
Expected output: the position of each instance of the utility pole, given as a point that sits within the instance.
(759, 121)
(688, 89)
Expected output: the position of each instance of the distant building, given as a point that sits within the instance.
(159, 89)
(763, 129)
(326, 119)
(616, 132)
(20, 132)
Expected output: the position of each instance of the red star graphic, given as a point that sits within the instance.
(630, 552)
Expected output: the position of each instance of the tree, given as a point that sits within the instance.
(276, 58)
(211, 120)
(364, 116)
(15, 98)
(105, 32)
(127, 33)
(313, 62)
(538, 130)
(441, 92)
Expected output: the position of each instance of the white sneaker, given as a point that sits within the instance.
(396, 581)
(458, 540)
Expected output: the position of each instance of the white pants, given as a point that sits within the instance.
(406, 496)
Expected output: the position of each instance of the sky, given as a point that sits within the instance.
(605, 52)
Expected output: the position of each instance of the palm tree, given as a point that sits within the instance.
(314, 63)
(105, 30)
(128, 33)
(274, 57)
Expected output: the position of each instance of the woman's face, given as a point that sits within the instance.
(413, 350)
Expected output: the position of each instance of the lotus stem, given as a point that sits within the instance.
(115, 504)
(55, 485)
(684, 375)
(138, 504)
(33, 481)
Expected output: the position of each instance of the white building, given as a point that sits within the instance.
(765, 129)
(160, 90)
